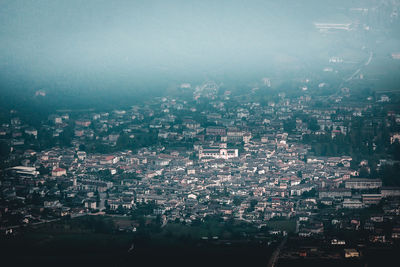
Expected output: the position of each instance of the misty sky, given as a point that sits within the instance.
(65, 40)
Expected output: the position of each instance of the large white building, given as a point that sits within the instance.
(25, 170)
(218, 153)
(332, 26)
(363, 183)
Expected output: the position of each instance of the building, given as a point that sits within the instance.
(363, 183)
(59, 172)
(79, 132)
(338, 242)
(219, 153)
(371, 199)
(191, 171)
(396, 55)
(215, 131)
(51, 204)
(191, 124)
(390, 191)
(351, 253)
(109, 160)
(395, 137)
(246, 137)
(83, 123)
(234, 135)
(94, 185)
(81, 155)
(298, 190)
(332, 26)
(25, 170)
(31, 131)
(352, 204)
(57, 120)
(384, 98)
(335, 193)
(91, 204)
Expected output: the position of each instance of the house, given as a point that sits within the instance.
(246, 137)
(31, 131)
(298, 190)
(59, 172)
(334, 193)
(234, 135)
(83, 123)
(390, 191)
(191, 124)
(352, 204)
(338, 242)
(79, 132)
(216, 131)
(51, 203)
(109, 160)
(384, 98)
(395, 137)
(396, 232)
(90, 204)
(191, 171)
(81, 155)
(371, 199)
(351, 253)
(219, 153)
(363, 183)
(25, 170)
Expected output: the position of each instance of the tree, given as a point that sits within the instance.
(237, 200)
(43, 170)
(66, 137)
(82, 147)
(389, 174)
(311, 193)
(394, 149)
(364, 172)
(124, 142)
(289, 125)
(253, 203)
(4, 150)
(299, 174)
(313, 124)
(120, 209)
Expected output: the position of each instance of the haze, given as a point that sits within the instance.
(101, 43)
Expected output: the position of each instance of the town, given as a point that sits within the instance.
(305, 166)
(200, 133)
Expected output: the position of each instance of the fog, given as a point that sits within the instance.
(99, 44)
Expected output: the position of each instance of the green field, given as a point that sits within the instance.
(87, 241)
(284, 225)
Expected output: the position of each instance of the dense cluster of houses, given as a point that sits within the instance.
(241, 164)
